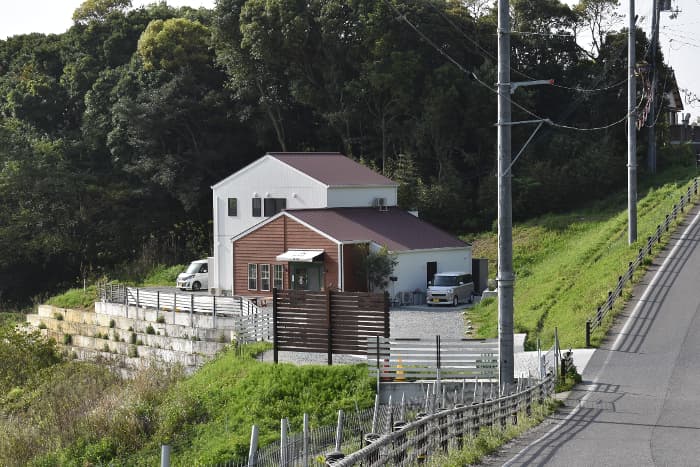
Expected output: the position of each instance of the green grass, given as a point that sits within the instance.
(75, 298)
(163, 275)
(11, 318)
(565, 264)
(488, 440)
(206, 417)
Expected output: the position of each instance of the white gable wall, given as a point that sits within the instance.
(265, 178)
(411, 270)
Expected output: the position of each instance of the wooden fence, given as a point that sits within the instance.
(412, 359)
(327, 322)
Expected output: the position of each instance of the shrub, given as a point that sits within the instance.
(67, 339)
(115, 336)
(150, 330)
(139, 342)
(58, 316)
(112, 323)
(42, 325)
(131, 329)
(133, 351)
(160, 319)
(105, 348)
(132, 338)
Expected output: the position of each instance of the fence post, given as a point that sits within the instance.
(164, 455)
(137, 297)
(437, 365)
(274, 324)
(283, 443)
(305, 440)
(253, 450)
(682, 203)
(588, 335)
(329, 321)
(191, 310)
(157, 303)
(213, 305)
(336, 455)
(174, 305)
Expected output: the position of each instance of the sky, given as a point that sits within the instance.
(679, 38)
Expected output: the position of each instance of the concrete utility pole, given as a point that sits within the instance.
(651, 117)
(505, 279)
(632, 129)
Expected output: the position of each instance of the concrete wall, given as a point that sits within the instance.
(107, 333)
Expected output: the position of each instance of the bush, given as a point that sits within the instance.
(105, 348)
(132, 338)
(58, 316)
(150, 330)
(75, 298)
(42, 325)
(112, 323)
(160, 319)
(67, 339)
(133, 351)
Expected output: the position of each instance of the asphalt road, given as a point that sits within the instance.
(639, 404)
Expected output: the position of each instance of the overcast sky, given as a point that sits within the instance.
(679, 39)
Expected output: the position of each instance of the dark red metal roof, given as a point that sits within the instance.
(332, 168)
(396, 229)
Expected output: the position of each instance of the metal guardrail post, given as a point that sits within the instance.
(191, 310)
(165, 455)
(253, 450)
(588, 333)
(213, 310)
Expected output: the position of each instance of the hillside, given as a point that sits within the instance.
(566, 263)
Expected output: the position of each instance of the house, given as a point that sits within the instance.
(305, 220)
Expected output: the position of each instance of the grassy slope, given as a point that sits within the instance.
(565, 264)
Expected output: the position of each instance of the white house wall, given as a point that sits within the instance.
(343, 197)
(411, 270)
(266, 178)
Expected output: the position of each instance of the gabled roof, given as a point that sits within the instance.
(332, 169)
(393, 228)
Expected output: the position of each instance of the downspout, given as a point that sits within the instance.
(341, 279)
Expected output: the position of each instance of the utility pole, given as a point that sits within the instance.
(631, 128)
(506, 278)
(651, 117)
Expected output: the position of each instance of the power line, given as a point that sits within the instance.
(439, 49)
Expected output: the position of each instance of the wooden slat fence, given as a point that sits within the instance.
(412, 359)
(328, 322)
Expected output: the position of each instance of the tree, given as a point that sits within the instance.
(174, 45)
(378, 266)
(98, 10)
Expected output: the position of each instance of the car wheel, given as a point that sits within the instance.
(455, 301)
(196, 286)
(183, 289)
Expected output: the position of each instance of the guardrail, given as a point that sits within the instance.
(411, 359)
(595, 322)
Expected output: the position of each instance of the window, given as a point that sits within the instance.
(264, 277)
(252, 277)
(256, 207)
(274, 205)
(232, 207)
(278, 281)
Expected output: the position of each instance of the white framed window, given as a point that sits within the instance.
(252, 277)
(278, 281)
(233, 207)
(264, 276)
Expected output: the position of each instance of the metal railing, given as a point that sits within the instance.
(596, 321)
(411, 359)
(251, 322)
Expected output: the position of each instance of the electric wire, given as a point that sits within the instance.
(447, 56)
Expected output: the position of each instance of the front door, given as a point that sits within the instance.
(431, 268)
(306, 276)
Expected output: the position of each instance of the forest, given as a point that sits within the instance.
(112, 132)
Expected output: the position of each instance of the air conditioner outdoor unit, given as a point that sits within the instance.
(381, 204)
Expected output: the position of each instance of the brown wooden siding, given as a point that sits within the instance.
(262, 246)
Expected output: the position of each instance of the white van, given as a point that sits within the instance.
(195, 277)
(450, 288)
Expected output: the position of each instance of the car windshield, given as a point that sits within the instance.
(445, 280)
(193, 268)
